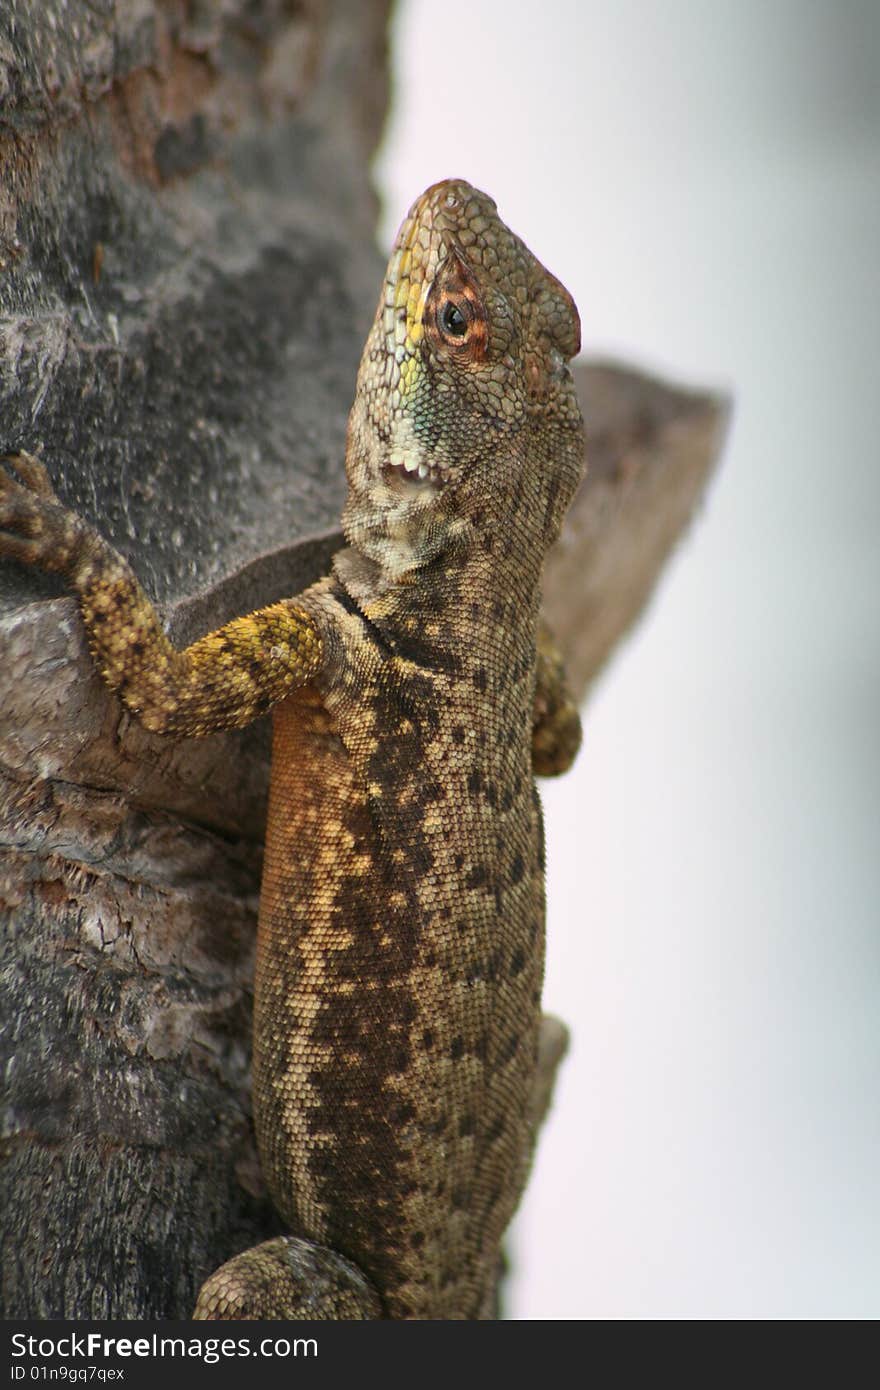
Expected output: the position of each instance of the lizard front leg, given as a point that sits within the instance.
(556, 724)
(223, 681)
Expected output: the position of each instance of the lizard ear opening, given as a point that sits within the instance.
(558, 315)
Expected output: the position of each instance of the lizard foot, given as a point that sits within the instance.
(287, 1279)
(35, 529)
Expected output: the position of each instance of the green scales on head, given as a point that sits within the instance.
(467, 354)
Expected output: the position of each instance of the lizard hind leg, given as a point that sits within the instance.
(287, 1279)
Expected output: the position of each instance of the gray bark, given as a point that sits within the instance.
(186, 276)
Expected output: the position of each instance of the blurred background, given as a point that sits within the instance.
(705, 179)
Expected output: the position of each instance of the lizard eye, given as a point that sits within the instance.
(454, 319)
(455, 316)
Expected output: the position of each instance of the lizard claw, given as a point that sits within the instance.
(35, 529)
(33, 474)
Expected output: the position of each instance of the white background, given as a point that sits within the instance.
(705, 179)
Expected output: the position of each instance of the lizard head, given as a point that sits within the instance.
(465, 415)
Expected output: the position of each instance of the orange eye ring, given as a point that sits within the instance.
(455, 318)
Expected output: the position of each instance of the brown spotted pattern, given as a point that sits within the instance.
(400, 951)
(398, 1007)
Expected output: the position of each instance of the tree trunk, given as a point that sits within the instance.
(187, 274)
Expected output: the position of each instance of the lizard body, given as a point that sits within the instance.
(401, 929)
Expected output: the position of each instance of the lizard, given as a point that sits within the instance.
(415, 693)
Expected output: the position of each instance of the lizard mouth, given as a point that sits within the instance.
(413, 470)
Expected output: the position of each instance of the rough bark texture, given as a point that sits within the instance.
(186, 277)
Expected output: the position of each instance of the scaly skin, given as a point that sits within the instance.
(397, 1086)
